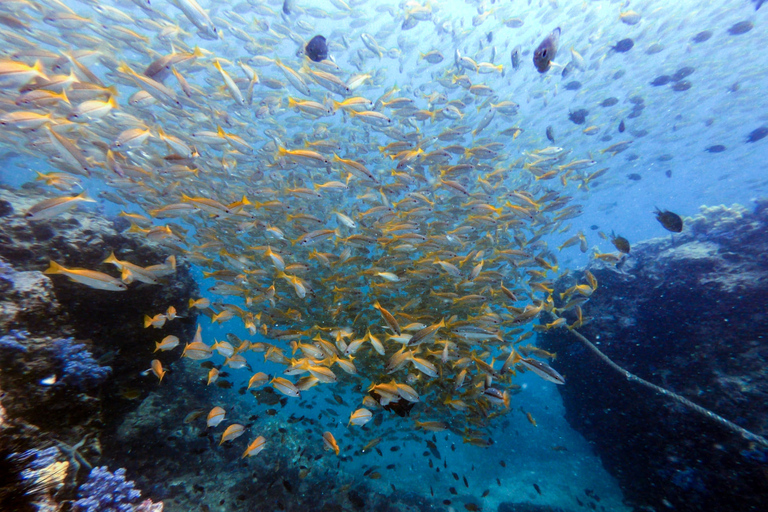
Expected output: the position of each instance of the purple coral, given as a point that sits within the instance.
(107, 492)
(79, 368)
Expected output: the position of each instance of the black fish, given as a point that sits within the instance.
(546, 51)
(668, 173)
(624, 45)
(717, 148)
(550, 134)
(757, 134)
(637, 112)
(758, 3)
(609, 102)
(682, 85)
(682, 73)
(671, 221)
(288, 5)
(536, 486)
(702, 36)
(622, 127)
(515, 55)
(741, 27)
(573, 86)
(316, 49)
(634, 176)
(578, 116)
(661, 80)
(618, 74)
(489, 37)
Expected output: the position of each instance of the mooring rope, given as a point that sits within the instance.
(746, 434)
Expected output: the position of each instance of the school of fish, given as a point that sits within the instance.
(364, 230)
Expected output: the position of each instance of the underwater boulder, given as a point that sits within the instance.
(680, 312)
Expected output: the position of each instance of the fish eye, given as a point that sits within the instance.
(544, 53)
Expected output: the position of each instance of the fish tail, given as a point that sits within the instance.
(54, 268)
(147, 321)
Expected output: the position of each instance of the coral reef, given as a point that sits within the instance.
(110, 492)
(61, 380)
(686, 312)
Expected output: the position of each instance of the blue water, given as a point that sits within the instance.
(667, 159)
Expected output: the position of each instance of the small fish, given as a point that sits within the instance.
(215, 416)
(536, 486)
(232, 432)
(360, 417)
(757, 134)
(717, 148)
(620, 243)
(550, 134)
(49, 208)
(546, 51)
(168, 343)
(741, 27)
(157, 369)
(329, 442)
(515, 57)
(623, 46)
(671, 221)
(255, 447)
(316, 49)
(622, 126)
(90, 278)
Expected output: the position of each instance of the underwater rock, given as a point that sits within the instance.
(686, 312)
(68, 352)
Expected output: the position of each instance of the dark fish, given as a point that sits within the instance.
(485, 493)
(489, 37)
(717, 148)
(573, 86)
(316, 49)
(682, 85)
(609, 102)
(671, 221)
(466, 484)
(620, 243)
(223, 384)
(471, 507)
(624, 45)
(758, 3)
(757, 134)
(661, 80)
(702, 36)
(668, 173)
(446, 502)
(550, 134)
(567, 69)
(594, 227)
(546, 51)
(578, 116)
(620, 73)
(455, 476)
(288, 486)
(637, 112)
(636, 100)
(502, 463)
(515, 55)
(741, 27)
(622, 127)
(394, 449)
(665, 157)
(634, 176)
(536, 486)
(288, 5)
(452, 490)
(682, 73)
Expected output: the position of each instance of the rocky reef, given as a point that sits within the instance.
(71, 356)
(687, 312)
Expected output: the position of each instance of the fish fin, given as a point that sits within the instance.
(54, 268)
